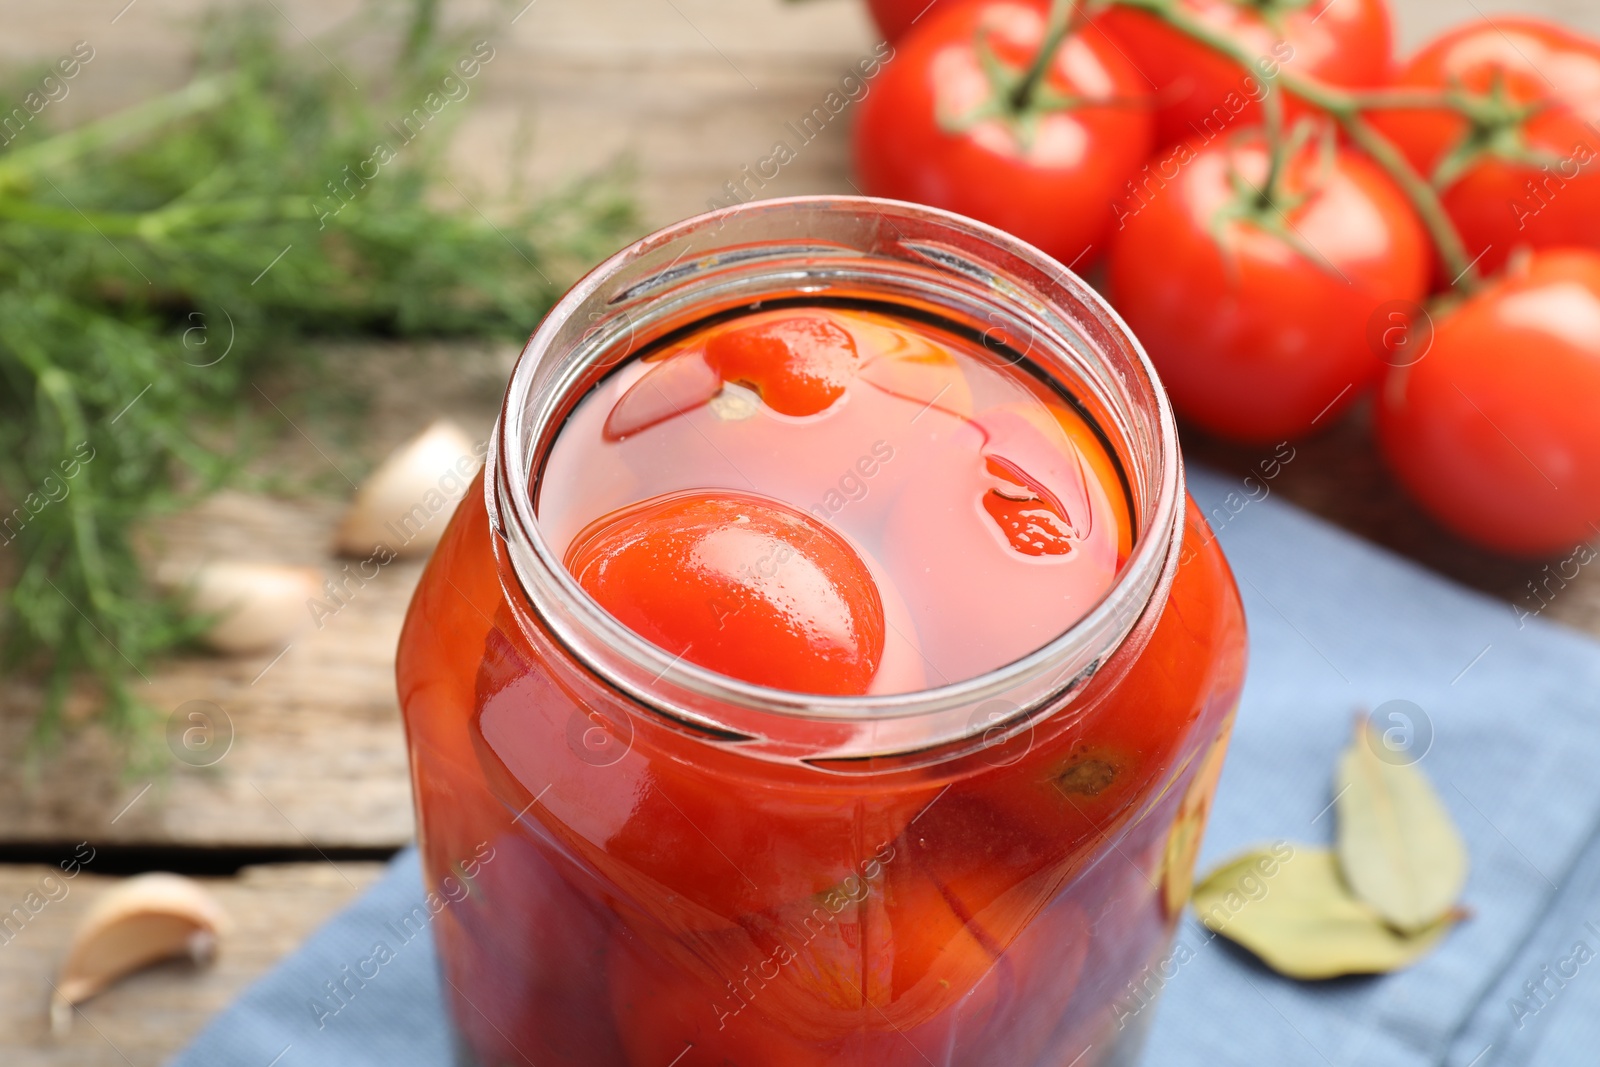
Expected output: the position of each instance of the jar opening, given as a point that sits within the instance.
(924, 264)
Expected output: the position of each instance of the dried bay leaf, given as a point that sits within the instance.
(1289, 906)
(1398, 848)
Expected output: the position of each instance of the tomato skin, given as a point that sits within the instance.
(1498, 204)
(895, 18)
(1054, 192)
(1067, 799)
(1256, 341)
(1502, 406)
(738, 583)
(664, 1015)
(800, 364)
(671, 1018)
(1344, 43)
(545, 942)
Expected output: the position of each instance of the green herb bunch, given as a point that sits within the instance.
(153, 263)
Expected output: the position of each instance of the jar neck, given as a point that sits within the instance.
(930, 263)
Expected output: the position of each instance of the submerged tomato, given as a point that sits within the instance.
(1040, 499)
(800, 364)
(1044, 965)
(541, 948)
(962, 892)
(1521, 167)
(667, 1017)
(1064, 796)
(1200, 93)
(943, 126)
(1494, 430)
(740, 584)
(1256, 313)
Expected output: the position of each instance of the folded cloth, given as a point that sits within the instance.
(394, 1018)
(1512, 707)
(1503, 711)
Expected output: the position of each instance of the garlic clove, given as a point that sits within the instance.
(138, 922)
(258, 606)
(406, 502)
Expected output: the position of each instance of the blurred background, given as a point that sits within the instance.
(297, 789)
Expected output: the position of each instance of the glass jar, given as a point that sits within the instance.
(636, 862)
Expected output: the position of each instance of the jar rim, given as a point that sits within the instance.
(595, 637)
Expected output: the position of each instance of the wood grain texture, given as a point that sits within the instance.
(147, 1018)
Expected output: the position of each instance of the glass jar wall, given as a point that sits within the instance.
(640, 862)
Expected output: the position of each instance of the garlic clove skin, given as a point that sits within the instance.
(407, 501)
(258, 606)
(138, 922)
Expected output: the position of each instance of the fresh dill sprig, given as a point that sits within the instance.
(154, 262)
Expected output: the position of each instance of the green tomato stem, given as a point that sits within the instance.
(1399, 100)
(1277, 150)
(1446, 238)
(1056, 31)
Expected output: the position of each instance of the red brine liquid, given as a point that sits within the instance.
(988, 514)
(839, 499)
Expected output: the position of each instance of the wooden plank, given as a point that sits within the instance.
(317, 753)
(150, 1016)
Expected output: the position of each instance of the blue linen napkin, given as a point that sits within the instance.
(1506, 707)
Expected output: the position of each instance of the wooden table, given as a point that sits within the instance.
(143, 1021)
(688, 91)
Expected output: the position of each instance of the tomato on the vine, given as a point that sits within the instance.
(1254, 303)
(1515, 157)
(1494, 429)
(957, 122)
(1200, 92)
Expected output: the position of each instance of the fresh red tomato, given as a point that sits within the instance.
(944, 126)
(1201, 93)
(896, 17)
(1495, 429)
(1256, 314)
(738, 583)
(1522, 167)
